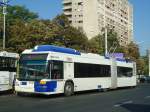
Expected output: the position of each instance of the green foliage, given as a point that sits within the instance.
(67, 35)
(23, 36)
(19, 12)
(97, 44)
(16, 19)
(61, 20)
(132, 51)
(145, 70)
(140, 66)
(24, 31)
(112, 39)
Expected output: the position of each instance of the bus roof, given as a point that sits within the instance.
(52, 48)
(9, 54)
(56, 49)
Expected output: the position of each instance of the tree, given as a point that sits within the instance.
(112, 39)
(16, 38)
(18, 12)
(16, 20)
(25, 35)
(97, 44)
(146, 64)
(34, 33)
(68, 35)
(140, 66)
(132, 51)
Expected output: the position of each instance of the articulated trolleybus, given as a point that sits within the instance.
(48, 69)
(8, 65)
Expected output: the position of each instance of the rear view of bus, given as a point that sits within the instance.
(8, 64)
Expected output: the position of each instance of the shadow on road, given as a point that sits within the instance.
(137, 107)
(5, 93)
(40, 96)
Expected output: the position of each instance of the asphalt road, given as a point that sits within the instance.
(122, 100)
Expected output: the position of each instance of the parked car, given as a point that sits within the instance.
(148, 79)
(144, 79)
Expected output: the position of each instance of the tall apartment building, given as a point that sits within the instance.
(93, 15)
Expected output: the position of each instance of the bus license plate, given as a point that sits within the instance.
(31, 83)
(24, 83)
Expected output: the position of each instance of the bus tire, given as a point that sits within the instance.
(19, 94)
(68, 88)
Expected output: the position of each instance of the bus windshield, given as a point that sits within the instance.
(8, 64)
(31, 69)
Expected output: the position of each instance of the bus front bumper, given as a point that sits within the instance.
(36, 87)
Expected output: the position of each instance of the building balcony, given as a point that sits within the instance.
(67, 2)
(67, 7)
(68, 13)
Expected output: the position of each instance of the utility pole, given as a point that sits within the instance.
(106, 47)
(4, 23)
(106, 33)
(149, 60)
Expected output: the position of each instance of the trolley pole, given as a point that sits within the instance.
(4, 23)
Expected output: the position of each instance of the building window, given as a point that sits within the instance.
(80, 21)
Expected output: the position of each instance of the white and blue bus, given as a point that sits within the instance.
(48, 69)
(8, 65)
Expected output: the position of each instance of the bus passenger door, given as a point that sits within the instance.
(4, 80)
(12, 76)
(68, 70)
(113, 73)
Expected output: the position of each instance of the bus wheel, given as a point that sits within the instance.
(19, 94)
(68, 89)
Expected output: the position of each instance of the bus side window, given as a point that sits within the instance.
(57, 70)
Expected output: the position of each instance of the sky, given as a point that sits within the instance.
(142, 24)
(48, 9)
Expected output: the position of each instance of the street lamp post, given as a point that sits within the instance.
(4, 23)
(106, 47)
(105, 31)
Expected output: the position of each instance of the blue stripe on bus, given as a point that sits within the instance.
(53, 48)
(48, 87)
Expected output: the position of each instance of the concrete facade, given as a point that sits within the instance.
(93, 15)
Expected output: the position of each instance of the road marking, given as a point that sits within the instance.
(128, 102)
(146, 97)
(123, 103)
(117, 105)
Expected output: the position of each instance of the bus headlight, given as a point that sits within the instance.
(42, 82)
